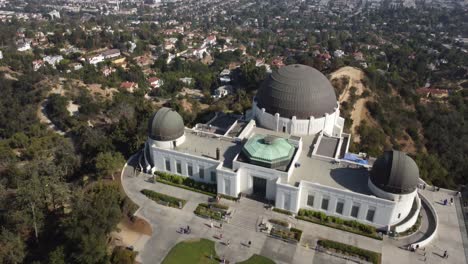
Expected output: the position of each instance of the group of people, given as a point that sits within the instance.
(446, 201)
(185, 230)
(416, 248)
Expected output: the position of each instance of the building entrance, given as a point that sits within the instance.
(259, 187)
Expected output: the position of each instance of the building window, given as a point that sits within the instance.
(189, 170)
(168, 165)
(370, 214)
(179, 167)
(325, 203)
(339, 207)
(213, 176)
(310, 200)
(201, 172)
(355, 210)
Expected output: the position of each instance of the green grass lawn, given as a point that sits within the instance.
(199, 252)
(257, 259)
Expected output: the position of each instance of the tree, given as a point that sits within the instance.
(12, 247)
(108, 163)
(121, 255)
(94, 215)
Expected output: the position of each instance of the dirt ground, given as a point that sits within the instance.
(359, 111)
(130, 232)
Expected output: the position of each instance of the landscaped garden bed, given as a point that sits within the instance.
(279, 222)
(186, 183)
(164, 199)
(282, 211)
(338, 223)
(291, 235)
(412, 229)
(350, 250)
(212, 211)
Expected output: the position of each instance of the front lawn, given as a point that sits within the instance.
(202, 251)
(257, 259)
(194, 252)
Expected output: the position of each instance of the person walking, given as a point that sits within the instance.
(211, 224)
(445, 254)
(250, 243)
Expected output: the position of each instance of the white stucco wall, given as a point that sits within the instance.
(161, 155)
(166, 144)
(329, 123)
(403, 202)
(383, 208)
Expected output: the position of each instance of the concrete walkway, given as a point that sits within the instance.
(448, 237)
(242, 227)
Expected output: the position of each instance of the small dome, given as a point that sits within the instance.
(395, 172)
(268, 151)
(166, 125)
(297, 90)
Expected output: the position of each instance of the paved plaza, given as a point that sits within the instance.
(247, 214)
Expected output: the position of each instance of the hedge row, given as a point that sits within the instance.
(232, 198)
(219, 206)
(204, 210)
(297, 233)
(282, 211)
(292, 234)
(164, 199)
(205, 188)
(352, 226)
(279, 222)
(368, 255)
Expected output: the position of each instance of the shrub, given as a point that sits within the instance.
(204, 210)
(297, 233)
(352, 226)
(220, 206)
(282, 211)
(163, 199)
(186, 183)
(368, 255)
(121, 255)
(279, 222)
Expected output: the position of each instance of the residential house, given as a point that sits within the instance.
(186, 80)
(111, 53)
(155, 82)
(129, 86)
(338, 53)
(432, 92)
(222, 91)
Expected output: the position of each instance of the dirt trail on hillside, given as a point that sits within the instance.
(359, 112)
(41, 112)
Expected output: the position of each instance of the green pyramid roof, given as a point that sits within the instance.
(268, 151)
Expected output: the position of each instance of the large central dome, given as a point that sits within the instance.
(297, 90)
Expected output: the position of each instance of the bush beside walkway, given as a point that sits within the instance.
(346, 249)
(351, 226)
(186, 183)
(164, 199)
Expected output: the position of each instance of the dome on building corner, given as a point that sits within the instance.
(297, 90)
(395, 172)
(166, 125)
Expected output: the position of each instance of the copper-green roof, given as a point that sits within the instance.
(268, 151)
